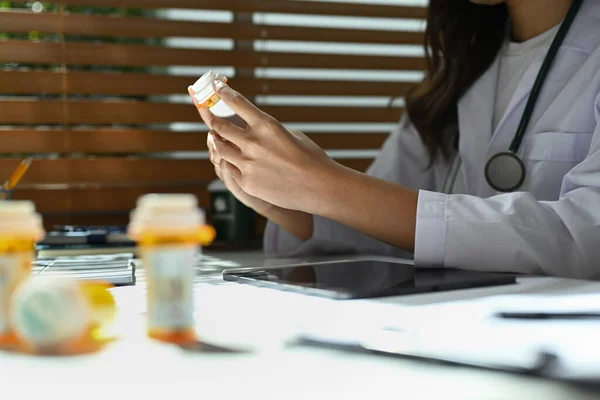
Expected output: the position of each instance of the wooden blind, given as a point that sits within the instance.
(99, 97)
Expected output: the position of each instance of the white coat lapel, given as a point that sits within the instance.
(475, 114)
(512, 116)
(506, 129)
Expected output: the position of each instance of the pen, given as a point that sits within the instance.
(549, 315)
(15, 177)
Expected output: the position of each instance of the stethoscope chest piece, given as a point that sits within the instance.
(505, 172)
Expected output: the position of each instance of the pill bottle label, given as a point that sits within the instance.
(14, 269)
(170, 277)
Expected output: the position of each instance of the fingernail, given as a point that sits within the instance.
(218, 85)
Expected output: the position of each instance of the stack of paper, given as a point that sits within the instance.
(117, 269)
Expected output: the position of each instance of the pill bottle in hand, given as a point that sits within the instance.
(205, 95)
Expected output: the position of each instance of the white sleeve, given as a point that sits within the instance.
(515, 232)
(403, 160)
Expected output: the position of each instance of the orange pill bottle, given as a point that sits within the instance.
(169, 230)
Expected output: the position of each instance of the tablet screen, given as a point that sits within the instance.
(363, 278)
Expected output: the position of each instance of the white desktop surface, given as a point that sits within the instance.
(244, 315)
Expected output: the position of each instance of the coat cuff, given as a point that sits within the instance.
(430, 234)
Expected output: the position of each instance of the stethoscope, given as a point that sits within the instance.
(505, 171)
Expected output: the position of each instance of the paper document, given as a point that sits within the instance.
(468, 332)
(579, 303)
(117, 269)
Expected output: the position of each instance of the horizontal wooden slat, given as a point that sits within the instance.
(138, 112)
(99, 141)
(352, 141)
(359, 164)
(106, 199)
(134, 84)
(112, 171)
(274, 6)
(22, 51)
(97, 25)
(145, 141)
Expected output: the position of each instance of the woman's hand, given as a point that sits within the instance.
(267, 161)
(222, 170)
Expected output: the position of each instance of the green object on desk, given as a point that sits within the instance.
(233, 221)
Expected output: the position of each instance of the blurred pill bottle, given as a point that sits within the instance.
(206, 97)
(20, 229)
(170, 230)
(60, 315)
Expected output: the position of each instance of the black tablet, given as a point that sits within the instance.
(366, 278)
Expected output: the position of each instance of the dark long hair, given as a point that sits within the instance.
(462, 40)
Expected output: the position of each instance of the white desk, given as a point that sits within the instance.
(263, 316)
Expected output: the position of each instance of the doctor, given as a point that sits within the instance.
(494, 166)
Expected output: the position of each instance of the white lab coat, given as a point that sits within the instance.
(551, 226)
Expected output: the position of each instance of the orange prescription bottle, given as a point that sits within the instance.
(169, 229)
(206, 97)
(59, 314)
(20, 228)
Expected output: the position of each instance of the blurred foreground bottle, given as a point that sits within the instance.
(60, 315)
(20, 228)
(170, 230)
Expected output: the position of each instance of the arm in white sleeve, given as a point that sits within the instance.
(403, 160)
(515, 232)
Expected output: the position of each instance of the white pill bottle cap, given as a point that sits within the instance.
(166, 213)
(203, 87)
(206, 97)
(19, 219)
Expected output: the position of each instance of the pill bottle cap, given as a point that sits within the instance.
(203, 87)
(167, 201)
(18, 218)
(102, 304)
(168, 213)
